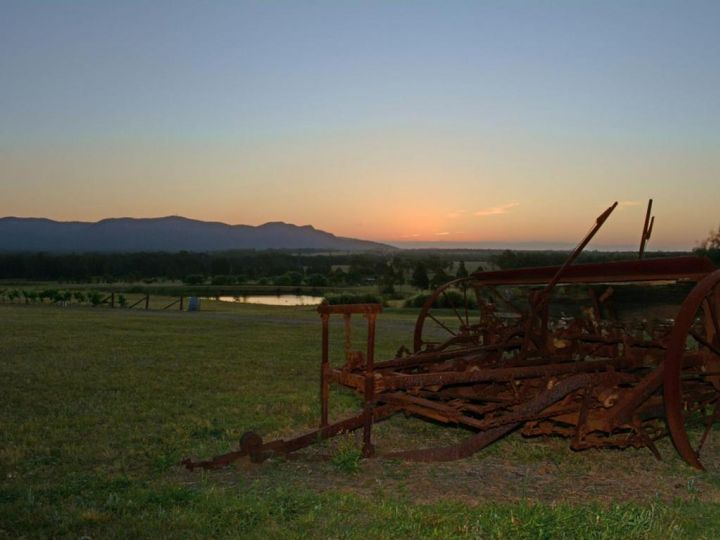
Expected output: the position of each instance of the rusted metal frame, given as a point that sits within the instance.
(671, 268)
(486, 409)
(344, 426)
(403, 398)
(539, 300)
(418, 359)
(428, 409)
(466, 354)
(674, 363)
(465, 305)
(484, 438)
(511, 418)
(494, 292)
(349, 308)
(646, 439)
(494, 374)
(712, 330)
(704, 342)
(576, 252)
(647, 230)
(260, 451)
(623, 411)
(346, 378)
(347, 320)
(452, 306)
(455, 340)
(595, 306)
(582, 417)
(544, 322)
(369, 398)
(425, 312)
(710, 420)
(439, 323)
(712, 304)
(630, 439)
(324, 369)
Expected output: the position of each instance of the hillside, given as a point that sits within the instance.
(171, 233)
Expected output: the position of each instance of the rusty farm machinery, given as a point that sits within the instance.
(546, 351)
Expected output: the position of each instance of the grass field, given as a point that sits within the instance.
(98, 407)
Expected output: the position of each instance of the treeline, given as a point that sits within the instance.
(422, 269)
(275, 267)
(525, 259)
(711, 253)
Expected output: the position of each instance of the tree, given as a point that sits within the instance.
(710, 247)
(461, 271)
(222, 279)
(289, 278)
(440, 278)
(317, 280)
(194, 279)
(419, 278)
(712, 241)
(398, 268)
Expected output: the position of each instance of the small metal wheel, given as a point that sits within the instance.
(691, 377)
(460, 313)
(250, 444)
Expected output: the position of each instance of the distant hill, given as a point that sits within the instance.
(173, 233)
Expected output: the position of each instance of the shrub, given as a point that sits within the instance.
(30, 296)
(317, 280)
(289, 278)
(353, 298)
(347, 458)
(194, 279)
(53, 295)
(222, 280)
(450, 299)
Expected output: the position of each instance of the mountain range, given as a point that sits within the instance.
(172, 233)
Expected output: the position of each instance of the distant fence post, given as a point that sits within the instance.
(181, 303)
(147, 301)
(112, 300)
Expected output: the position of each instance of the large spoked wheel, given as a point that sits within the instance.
(692, 370)
(459, 313)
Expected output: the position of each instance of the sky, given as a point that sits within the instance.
(407, 122)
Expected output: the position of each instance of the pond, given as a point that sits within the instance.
(274, 300)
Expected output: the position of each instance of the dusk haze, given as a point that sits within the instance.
(360, 269)
(409, 123)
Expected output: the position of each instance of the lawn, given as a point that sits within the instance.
(99, 406)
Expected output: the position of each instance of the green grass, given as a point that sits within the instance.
(98, 406)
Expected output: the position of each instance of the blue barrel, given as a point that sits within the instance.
(194, 303)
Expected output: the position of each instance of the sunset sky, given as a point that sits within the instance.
(396, 121)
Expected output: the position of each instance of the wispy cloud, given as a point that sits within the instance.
(456, 214)
(629, 203)
(497, 210)
(444, 233)
(410, 236)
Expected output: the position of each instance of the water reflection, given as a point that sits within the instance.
(274, 300)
